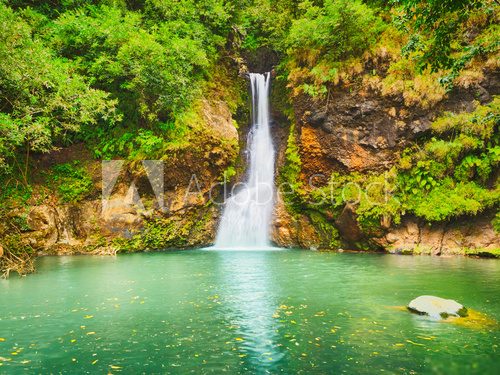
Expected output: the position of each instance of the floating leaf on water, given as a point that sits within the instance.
(475, 320)
(94, 362)
(415, 343)
(239, 339)
(91, 333)
(113, 367)
(2, 339)
(88, 316)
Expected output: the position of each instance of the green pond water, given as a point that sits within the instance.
(249, 312)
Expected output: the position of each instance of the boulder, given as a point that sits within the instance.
(437, 307)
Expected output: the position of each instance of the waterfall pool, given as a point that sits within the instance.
(252, 312)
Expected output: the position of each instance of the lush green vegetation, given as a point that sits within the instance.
(72, 181)
(119, 75)
(450, 175)
(128, 79)
(102, 72)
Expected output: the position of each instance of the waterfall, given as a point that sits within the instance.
(247, 214)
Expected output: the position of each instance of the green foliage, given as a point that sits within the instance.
(290, 184)
(229, 173)
(99, 70)
(327, 229)
(373, 195)
(439, 21)
(496, 222)
(325, 37)
(162, 233)
(154, 72)
(440, 33)
(449, 175)
(450, 199)
(266, 24)
(336, 31)
(481, 123)
(71, 181)
(44, 101)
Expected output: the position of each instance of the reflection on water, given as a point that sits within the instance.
(249, 297)
(247, 312)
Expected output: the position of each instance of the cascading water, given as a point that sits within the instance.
(247, 215)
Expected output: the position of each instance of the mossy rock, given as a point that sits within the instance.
(437, 307)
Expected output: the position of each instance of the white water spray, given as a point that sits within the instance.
(247, 215)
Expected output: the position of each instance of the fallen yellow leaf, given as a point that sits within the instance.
(415, 343)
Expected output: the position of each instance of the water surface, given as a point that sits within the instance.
(246, 312)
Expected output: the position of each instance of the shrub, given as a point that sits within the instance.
(71, 181)
(324, 38)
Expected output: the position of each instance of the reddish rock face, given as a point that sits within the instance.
(356, 129)
(359, 130)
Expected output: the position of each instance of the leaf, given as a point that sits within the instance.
(415, 343)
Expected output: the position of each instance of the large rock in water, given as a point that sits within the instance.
(436, 307)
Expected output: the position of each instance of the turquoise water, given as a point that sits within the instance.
(246, 312)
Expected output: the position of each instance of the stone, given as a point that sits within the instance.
(348, 225)
(316, 118)
(437, 307)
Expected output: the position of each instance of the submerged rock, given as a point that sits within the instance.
(437, 307)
